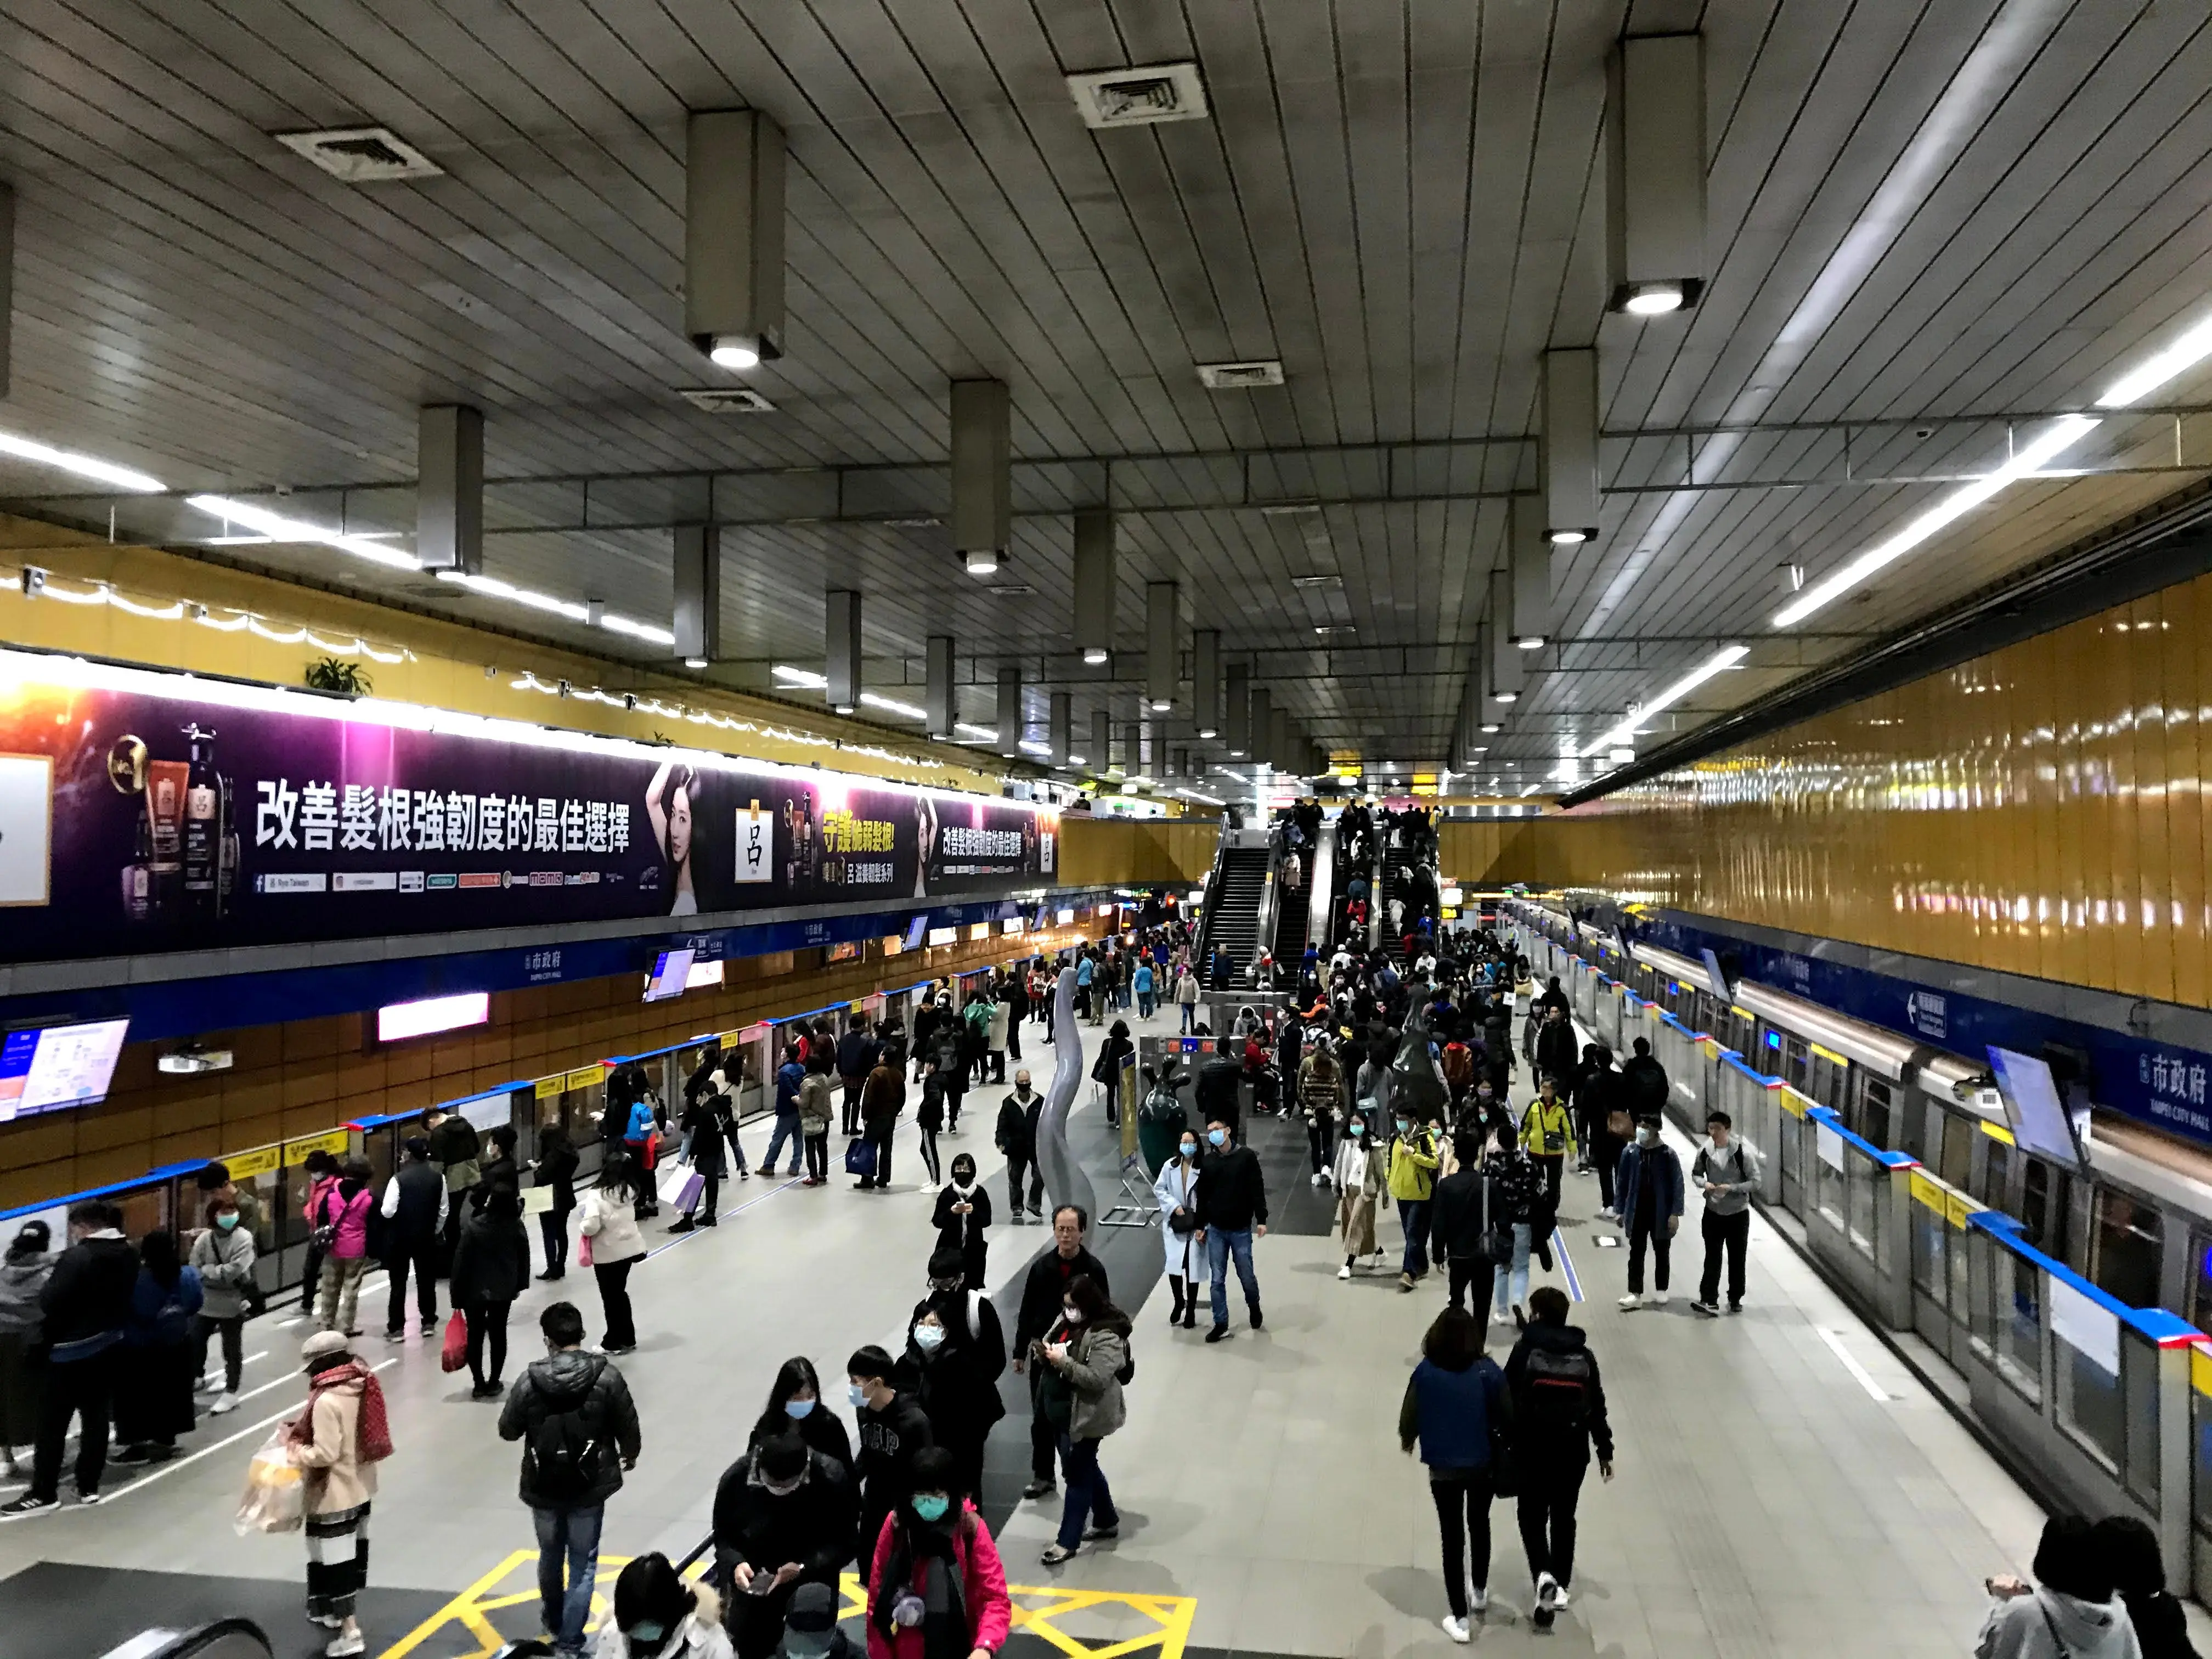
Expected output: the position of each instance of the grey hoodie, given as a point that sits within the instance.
(21, 1278)
(2051, 1625)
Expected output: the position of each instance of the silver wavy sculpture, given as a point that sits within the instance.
(1064, 1180)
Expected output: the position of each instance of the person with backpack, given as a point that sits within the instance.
(555, 1168)
(82, 1308)
(413, 1208)
(1457, 1409)
(956, 1352)
(1320, 1092)
(573, 1413)
(856, 1057)
(1644, 1083)
(455, 1149)
(1726, 1170)
(1547, 1135)
(783, 1519)
(1413, 1177)
(1558, 1415)
(1085, 1362)
(154, 1404)
(893, 1428)
(341, 1232)
(881, 1102)
(23, 1274)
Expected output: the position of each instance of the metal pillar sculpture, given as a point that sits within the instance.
(1064, 1180)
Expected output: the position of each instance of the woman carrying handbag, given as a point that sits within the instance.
(1174, 1189)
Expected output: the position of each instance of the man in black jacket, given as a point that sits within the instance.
(1232, 1202)
(1220, 1083)
(1458, 1218)
(1042, 1294)
(579, 1429)
(414, 1210)
(856, 1058)
(1017, 1138)
(893, 1428)
(1646, 1081)
(1558, 1411)
(83, 1307)
(1556, 1055)
(783, 1517)
(454, 1148)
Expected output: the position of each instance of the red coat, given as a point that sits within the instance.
(982, 1591)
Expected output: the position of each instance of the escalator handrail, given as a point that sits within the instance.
(184, 1644)
(1204, 946)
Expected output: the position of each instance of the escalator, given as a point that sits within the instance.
(1295, 909)
(1397, 865)
(1228, 937)
(225, 1639)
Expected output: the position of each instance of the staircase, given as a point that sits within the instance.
(1233, 912)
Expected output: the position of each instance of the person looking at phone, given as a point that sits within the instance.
(783, 1517)
(1043, 1292)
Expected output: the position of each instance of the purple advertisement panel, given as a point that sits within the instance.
(142, 811)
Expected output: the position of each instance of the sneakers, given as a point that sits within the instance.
(1710, 1309)
(1405, 1284)
(1608, 1213)
(1219, 1334)
(1559, 1596)
(1345, 1272)
(1456, 1627)
(1735, 1307)
(137, 1452)
(87, 1499)
(25, 1506)
(1039, 1489)
(345, 1647)
(684, 1225)
(1477, 1598)
(223, 1403)
(1258, 1318)
(1659, 1298)
(1632, 1300)
(1547, 1601)
(400, 1335)
(1319, 1180)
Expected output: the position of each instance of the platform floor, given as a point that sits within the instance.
(1783, 1486)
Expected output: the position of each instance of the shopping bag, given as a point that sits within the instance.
(276, 1497)
(860, 1159)
(454, 1356)
(687, 1195)
(584, 1250)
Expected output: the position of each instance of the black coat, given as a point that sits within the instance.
(822, 1428)
(591, 1385)
(1457, 1216)
(89, 1292)
(491, 1260)
(706, 1120)
(1044, 1288)
(1017, 1130)
(1557, 1053)
(964, 1233)
(812, 1526)
(958, 1385)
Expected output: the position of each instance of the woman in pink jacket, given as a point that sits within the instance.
(341, 1220)
(936, 1589)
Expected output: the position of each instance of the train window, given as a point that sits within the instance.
(2124, 1248)
(1955, 1162)
(1829, 1081)
(2043, 1208)
(1874, 1116)
(2200, 1287)
(1795, 1061)
(1996, 1174)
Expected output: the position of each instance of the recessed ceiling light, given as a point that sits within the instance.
(1653, 299)
(981, 560)
(1094, 654)
(1322, 580)
(739, 352)
(1491, 728)
(1239, 377)
(1530, 642)
(1568, 537)
(85, 467)
(1506, 696)
(1208, 731)
(1289, 509)
(1333, 630)
(695, 662)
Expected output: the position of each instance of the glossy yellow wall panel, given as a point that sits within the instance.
(2041, 811)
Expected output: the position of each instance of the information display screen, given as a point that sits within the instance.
(671, 972)
(2040, 1121)
(916, 933)
(58, 1067)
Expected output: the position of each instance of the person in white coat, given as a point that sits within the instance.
(1174, 1188)
(610, 1230)
(995, 1039)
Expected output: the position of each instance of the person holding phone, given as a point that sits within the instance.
(783, 1516)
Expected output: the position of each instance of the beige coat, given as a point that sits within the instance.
(336, 1478)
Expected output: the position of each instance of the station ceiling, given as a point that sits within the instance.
(1934, 217)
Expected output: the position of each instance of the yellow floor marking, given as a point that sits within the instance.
(1038, 1609)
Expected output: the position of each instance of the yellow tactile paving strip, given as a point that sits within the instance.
(1082, 1624)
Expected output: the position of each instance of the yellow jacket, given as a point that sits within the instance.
(1412, 1165)
(1548, 1132)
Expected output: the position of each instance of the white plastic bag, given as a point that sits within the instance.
(275, 1492)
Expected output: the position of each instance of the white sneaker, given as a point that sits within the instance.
(1455, 1628)
(1547, 1590)
(1317, 1178)
(1559, 1596)
(1632, 1300)
(223, 1402)
(1345, 1272)
(1660, 1297)
(1608, 1215)
(1478, 1600)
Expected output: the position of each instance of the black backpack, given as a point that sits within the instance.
(565, 1456)
(1558, 1382)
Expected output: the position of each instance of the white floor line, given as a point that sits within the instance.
(1859, 1373)
(176, 1463)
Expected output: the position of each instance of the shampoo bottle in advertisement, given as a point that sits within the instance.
(165, 817)
(206, 801)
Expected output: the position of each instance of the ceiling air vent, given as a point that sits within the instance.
(1012, 590)
(726, 399)
(1139, 97)
(363, 155)
(1237, 377)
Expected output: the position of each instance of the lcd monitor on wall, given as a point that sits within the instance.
(916, 931)
(2040, 1121)
(55, 1067)
(671, 971)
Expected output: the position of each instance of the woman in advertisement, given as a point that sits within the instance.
(925, 842)
(668, 801)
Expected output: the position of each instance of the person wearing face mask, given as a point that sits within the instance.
(659, 1614)
(1361, 1190)
(893, 1428)
(783, 1517)
(963, 1217)
(937, 1588)
(1087, 1360)
(1413, 1178)
(1043, 1292)
(955, 1352)
(1650, 1192)
(223, 1258)
(1232, 1212)
(1016, 1136)
(794, 1402)
(1726, 1170)
(1321, 1089)
(572, 1411)
(1176, 1190)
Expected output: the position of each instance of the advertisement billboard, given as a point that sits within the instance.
(147, 811)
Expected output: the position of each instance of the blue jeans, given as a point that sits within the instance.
(1144, 1005)
(1220, 1245)
(573, 1533)
(1510, 1283)
(1189, 1016)
(1414, 1213)
(1089, 1498)
(787, 1123)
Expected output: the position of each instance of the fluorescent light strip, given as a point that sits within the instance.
(2185, 353)
(982, 734)
(570, 609)
(805, 677)
(85, 467)
(1032, 746)
(277, 527)
(1719, 662)
(893, 705)
(2061, 437)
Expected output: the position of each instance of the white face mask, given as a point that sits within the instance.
(928, 1337)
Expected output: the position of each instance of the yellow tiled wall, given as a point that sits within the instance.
(2040, 810)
